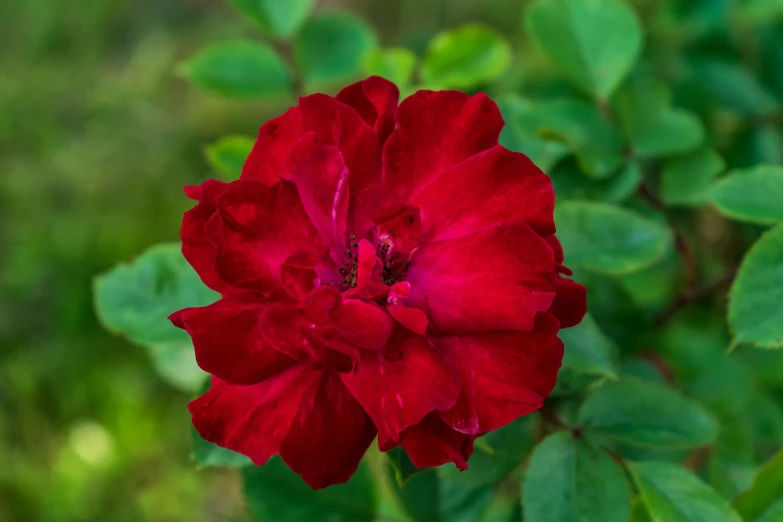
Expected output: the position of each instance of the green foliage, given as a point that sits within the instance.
(686, 180)
(751, 195)
(396, 64)
(277, 19)
(762, 500)
(465, 57)
(647, 414)
(607, 238)
(228, 155)
(594, 42)
(239, 69)
(672, 493)
(205, 454)
(331, 47)
(732, 85)
(755, 314)
(588, 350)
(520, 133)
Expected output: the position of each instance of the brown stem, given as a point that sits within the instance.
(683, 301)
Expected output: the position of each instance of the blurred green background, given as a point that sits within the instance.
(97, 137)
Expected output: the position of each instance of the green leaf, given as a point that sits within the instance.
(519, 134)
(501, 451)
(276, 18)
(569, 183)
(733, 86)
(774, 513)
(205, 454)
(609, 239)
(331, 47)
(595, 141)
(686, 180)
(420, 497)
(404, 469)
(567, 479)
(394, 64)
(239, 69)
(649, 414)
(275, 493)
(464, 57)
(652, 126)
(766, 492)
(753, 195)
(731, 467)
(593, 42)
(461, 503)
(755, 313)
(228, 155)
(588, 350)
(571, 382)
(135, 299)
(671, 493)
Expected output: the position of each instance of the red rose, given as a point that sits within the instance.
(383, 269)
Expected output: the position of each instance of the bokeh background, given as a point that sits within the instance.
(98, 134)
(97, 137)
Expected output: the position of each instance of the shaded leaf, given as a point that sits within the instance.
(404, 469)
(568, 479)
(686, 180)
(395, 64)
(239, 69)
(588, 350)
(569, 183)
(732, 85)
(766, 492)
(519, 134)
(751, 195)
(276, 18)
(228, 155)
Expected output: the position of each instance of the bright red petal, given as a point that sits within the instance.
(275, 139)
(487, 188)
(375, 99)
(570, 304)
(330, 434)
(432, 443)
(401, 384)
(436, 130)
(364, 324)
(504, 375)
(494, 279)
(228, 342)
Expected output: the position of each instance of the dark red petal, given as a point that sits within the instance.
(399, 227)
(252, 420)
(339, 125)
(435, 131)
(266, 225)
(298, 275)
(489, 187)
(503, 375)
(321, 178)
(401, 384)
(411, 318)
(228, 342)
(433, 443)
(282, 325)
(556, 247)
(330, 434)
(570, 304)
(275, 139)
(375, 99)
(494, 279)
(364, 324)
(322, 480)
(369, 284)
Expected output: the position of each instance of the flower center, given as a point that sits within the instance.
(390, 270)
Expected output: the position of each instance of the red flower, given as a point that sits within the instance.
(382, 269)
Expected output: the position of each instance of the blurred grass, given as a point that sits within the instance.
(97, 137)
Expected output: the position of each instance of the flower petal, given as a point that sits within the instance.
(503, 375)
(398, 386)
(252, 420)
(433, 443)
(411, 318)
(275, 139)
(435, 131)
(494, 279)
(364, 324)
(228, 342)
(375, 99)
(330, 434)
(570, 304)
(489, 187)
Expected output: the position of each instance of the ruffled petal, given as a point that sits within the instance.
(433, 443)
(435, 131)
(252, 420)
(330, 434)
(228, 342)
(275, 139)
(400, 385)
(503, 375)
(411, 318)
(489, 187)
(339, 125)
(364, 324)
(570, 304)
(495, 279)
(375, 99)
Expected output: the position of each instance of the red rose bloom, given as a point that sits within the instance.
(383, 270)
